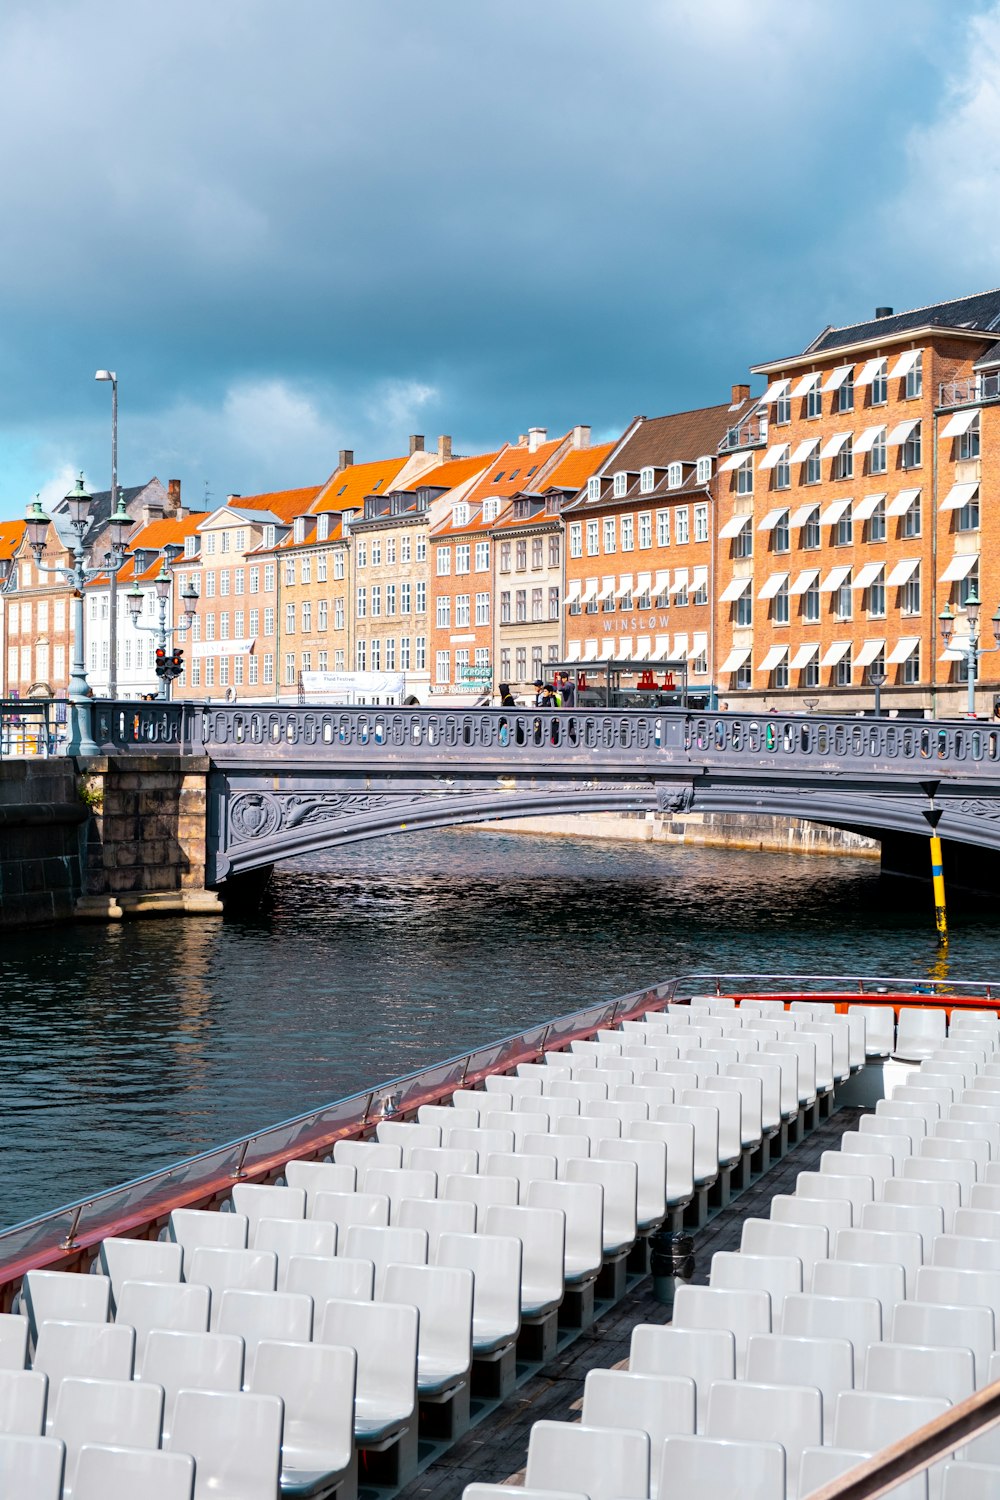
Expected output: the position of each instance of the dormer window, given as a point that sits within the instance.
(190, 546)
(460, 513)
(491, 509)
(269, 536)
(594, 488)
(323, 526)
(299, 529)
(703, 472)
(675, 476)
(620, 484)
(647, 480)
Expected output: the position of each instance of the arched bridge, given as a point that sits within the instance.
(291, 780)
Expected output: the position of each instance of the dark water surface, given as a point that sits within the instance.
(125, 1047)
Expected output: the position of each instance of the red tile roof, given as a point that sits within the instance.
(451, 472)
(575, 468)
(515, 467)
(11, 533)
(348, 488)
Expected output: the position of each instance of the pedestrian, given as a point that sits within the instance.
(567, 689)
(507, 699)
(541, 694)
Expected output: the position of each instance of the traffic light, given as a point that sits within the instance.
(176, 663)
(162, 665)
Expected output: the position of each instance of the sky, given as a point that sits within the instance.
(326, 224)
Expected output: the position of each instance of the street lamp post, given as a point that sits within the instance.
(163, 584)
(968, 646)
(78, 501)
(878, 680)
(113, 589)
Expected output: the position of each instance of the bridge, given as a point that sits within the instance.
(291, 780)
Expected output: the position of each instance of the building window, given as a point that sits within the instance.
(743, 541)
(419, 598)
(463, 609)
(682, 533)
(521, 664)
(463, 557)
(268, 622)
(701, 523)
(420, 550)
(554, 603)
(505, 607)
(742, 677)
(843, 601)
(521, 555)
(783, 408)
(491, 508)
(482, 557)
(703, 469)
(645, 529)
(390, 598)
(876, 523)
(362, 606)
(537, 596)
(289, 570)
(628, 533)
(909, 671)
(779, 606)
(845, 393)
(913, 450)
(779, 675)
(619, 484)
(744, 608)
(505, 557)
(555, 552)
(593, 538)
(782, 479)
(911, 519)
(880, 395)
(482, 609)
(323, 615)
(537, 551)
(289, 619)
(594, 488)
(814, 466)
(576, 539)
(811, 603)
(521, 606)
(968, 442)
(238, 581)
(915, 387)
(842, 671)
(338, 614)
(675, 476)
(405, 593)
(405, 548)
(877, 456)
(376, 600)
(909, 594)
(814, 399)
(361, 655)
(810, 673)
(289, 668)
(843, 532)
(362, 553)
(647, 480)
(209, 593)
(505, 664)
(610, 530)
(876, 599)
(663, 528)
(967, 519)
(420, 654)
(268, 667)
(442, 666)
(536, 662)
(338, 565)
(744, 476)
(843, 464)
(443, 561)
(460, 513)
(443, 612)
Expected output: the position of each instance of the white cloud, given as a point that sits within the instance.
(395, 403)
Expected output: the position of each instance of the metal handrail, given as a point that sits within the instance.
(875, 986)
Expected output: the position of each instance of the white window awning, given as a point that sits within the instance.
(904, 649)
(835, 653)
(680, 647)
(573, 592)
(624, 586)
(837, 377)
(590, 651)
(902, 502)
(775, 389)
(608, 650)
(867, 575)
(680, 580)
(644, 583)
(866, 508)
(773, 585)
(573, 650)
(868, 439)
(773, 456)
(662, 583)
(960, 422)
(590, 592)
(734, 526)
(803, 656)
(807, 383)
(607, 589)
(805, 580)
(869, 651)
(902, 571)
(834, 579)
(732, 462)
(735, 659)
(775, 655)
(834, 511)
(735, 590)
(772, 518)
(902, 432)
(833, 445)
(643, 648)
(905, 363)
(959, 496)
(662, 647)
(869, 370)
(803, 514)
(699, 578)
(960, 567)
(623, 648)
(805, 450)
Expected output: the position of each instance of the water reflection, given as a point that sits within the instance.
(125, 1047)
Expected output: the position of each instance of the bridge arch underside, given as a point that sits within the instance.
(257, 821)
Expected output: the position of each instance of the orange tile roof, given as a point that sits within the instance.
(347, 489)
(153, 538)
(515, 467)
(572, 471)
(11, 533)
(452, 471)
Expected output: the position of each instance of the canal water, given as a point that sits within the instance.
(124, 1047)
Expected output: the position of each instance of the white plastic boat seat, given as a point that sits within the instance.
(447, 1116)
(921, 1370)
(742, 1312)
(896, 1145)
(316, 1384)
(750, 1094)
(661, 1406)
(99, 1351)
(878, 1165)
(479, 1189)
(364, 1154)
(546, 1104)
(985, 1195)
(992, 1173)
(509, 1083)
(781, 1359)
(945, 1148)
(964, 1050)
(625, 1111)
(729, 1109)
(679, 1075)
(942, 1169)
(145, 1305)
(582, 1203)
(853, 1187)
(407, 1133)
(495, 1263)
(910, 1093)
(839, 1059)
(702, 1355)
(604, 1463)
(525, 1169)
(811, 1010)
(31, 1465)
(969, 1481)
(791, 1094)
(703, 1068)
(542, 1233)
(288, 1237)
(706, 1136)
(790, 1415)
(23, 1396)
(831, 1213)
(497, 1098)
(980, 1223)
(612, 1073)
(396, 1183)
(650, 1052)
(959, 1287)
(886, 1281)
(471, 1100)
(706, 1025)
(443, 1296)
(945, 1195)
(437, 1216)
(965, 1252)
(898, 1247)
(110, 1471)
(255, 1316)
(762, 1008)
(812, 1077)
(384, 1336)
(918, 1117)
(960, 1072)
(320, 1177)
(820, 1466)
(778, 1275)
(650, 1159)
(768, 1074)
(711, 1468)
(105, 1411)
(857, 1319)
(722, 1005)
(722, 1052)
(192, 1228)
(585, 1051)
(555, 1062)
(950, 1085)
(124, 1260)
(593, 1128)
(869, 1421)
(191, 1361)
(634, 1028)
(480, 1141)
(443, 1161)
(652, 1095)
(880, 1028)
(234, 1439)
(980, 1016)
(258, 1201)
(891, 1127)
(520, 1122)
(64, 1295)
(347, 1209)
(981, 1115)
(572, 1088)
(610, 1037)
(940, 1326)
(239, 1270)
(920, 1031)
(807, 1243)
(986, 1449)
(322, 1277)
(620, 1181)
(925, 1219)
(678, 1138)
(385, 1247)
(13, 1341)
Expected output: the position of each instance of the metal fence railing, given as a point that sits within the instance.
(28, 726)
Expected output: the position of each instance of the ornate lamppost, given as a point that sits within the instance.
(163, 584)
(878, 679)
(78, 575)
(968, 645)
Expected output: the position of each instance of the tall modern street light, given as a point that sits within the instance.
(968, 645)
(878, 680)
(113, 592)
(78, 501)
(164, 586)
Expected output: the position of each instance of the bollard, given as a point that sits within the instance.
(671, 1259)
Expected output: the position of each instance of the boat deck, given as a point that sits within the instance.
(495, 1451)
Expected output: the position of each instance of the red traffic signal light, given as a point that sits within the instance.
(177, 662)
(161, 662)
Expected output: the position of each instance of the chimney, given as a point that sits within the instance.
(174, 507)
(883, 312)
(536, 437)
(346, 458)
(522, 439)
(581, 437)
(151, 511)
(444, 448)
(741, 393)
(416, 443)
(231, 498)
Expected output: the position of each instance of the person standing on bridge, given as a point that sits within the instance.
(567, 690)
(507, 699)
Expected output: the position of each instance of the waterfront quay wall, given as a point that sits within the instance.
(42, 832)
(710, 830)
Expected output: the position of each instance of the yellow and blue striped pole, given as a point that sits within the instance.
(937, 876)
